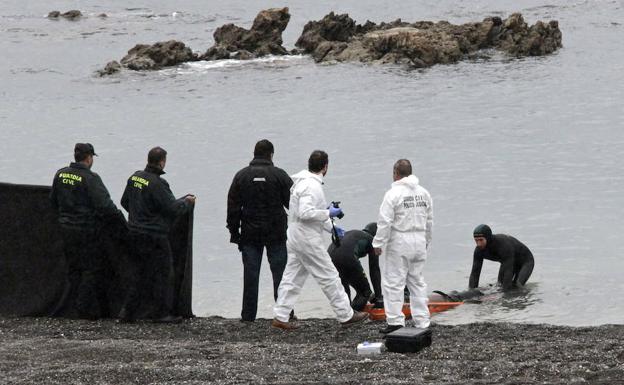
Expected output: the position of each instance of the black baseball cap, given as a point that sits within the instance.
(84, 148)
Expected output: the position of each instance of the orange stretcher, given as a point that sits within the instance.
(377, 314)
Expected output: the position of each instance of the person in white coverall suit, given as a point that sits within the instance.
(308, 217)
(404, 234)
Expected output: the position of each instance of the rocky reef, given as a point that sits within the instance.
(264, 37)
(231, 42)
(143, 57)
(156, 56)
(338, 38)
(424, 43)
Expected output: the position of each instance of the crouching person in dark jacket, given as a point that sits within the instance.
(257, 220)
(83, 205)
(152, 209)
(346, 257)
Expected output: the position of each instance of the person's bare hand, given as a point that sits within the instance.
(190, 198)
(377, 251)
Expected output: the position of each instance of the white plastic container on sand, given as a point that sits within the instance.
(369, 347)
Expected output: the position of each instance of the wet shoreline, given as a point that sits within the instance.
(226, 351)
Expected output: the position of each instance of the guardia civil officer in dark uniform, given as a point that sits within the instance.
(257, 220)
(152, 209)
(354, 245)
(515, 258)
(83, 205)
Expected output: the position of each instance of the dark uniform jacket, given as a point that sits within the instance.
(510, 252)
(256, 201)
(80, 198)
(150, 202)
(354, 245)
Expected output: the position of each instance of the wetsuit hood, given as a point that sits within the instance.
(483, 231)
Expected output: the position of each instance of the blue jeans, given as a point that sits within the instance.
(252, 260)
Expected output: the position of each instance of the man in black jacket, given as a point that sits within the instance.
(256, 220)
(515, 258)
(83, 205)
(152, 209)
(354, 245)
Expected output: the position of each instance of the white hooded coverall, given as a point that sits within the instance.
(404, 234)
(308, 218)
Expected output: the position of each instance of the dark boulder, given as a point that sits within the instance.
(74, 14)
(111, 68)
(332, 28)
(264, 37)
(158, 55)
(517, 39)
(216, 53)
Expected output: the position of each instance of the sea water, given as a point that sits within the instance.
(530, 146)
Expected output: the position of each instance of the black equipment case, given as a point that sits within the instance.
(408, 340)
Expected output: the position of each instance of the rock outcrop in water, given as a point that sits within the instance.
(264, 37)
(339, 38)
(424, 43)
(69, 15)
(158, 55)
(110, 68)
(144, 57)
(231, 42)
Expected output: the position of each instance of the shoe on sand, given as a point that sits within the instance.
(283, 325)
(358, 316)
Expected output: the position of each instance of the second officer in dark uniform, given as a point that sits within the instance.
(152, 209)
(83, 205)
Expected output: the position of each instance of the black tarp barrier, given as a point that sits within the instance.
(32, 269)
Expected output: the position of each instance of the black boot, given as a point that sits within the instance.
(390, 329)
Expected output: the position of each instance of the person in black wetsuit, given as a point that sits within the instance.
(515, 258)
(354, 245)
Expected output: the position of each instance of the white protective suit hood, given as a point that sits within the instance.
(303, 174)
(409, 181)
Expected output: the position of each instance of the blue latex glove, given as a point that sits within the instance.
(334, 212)
(340, 232)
